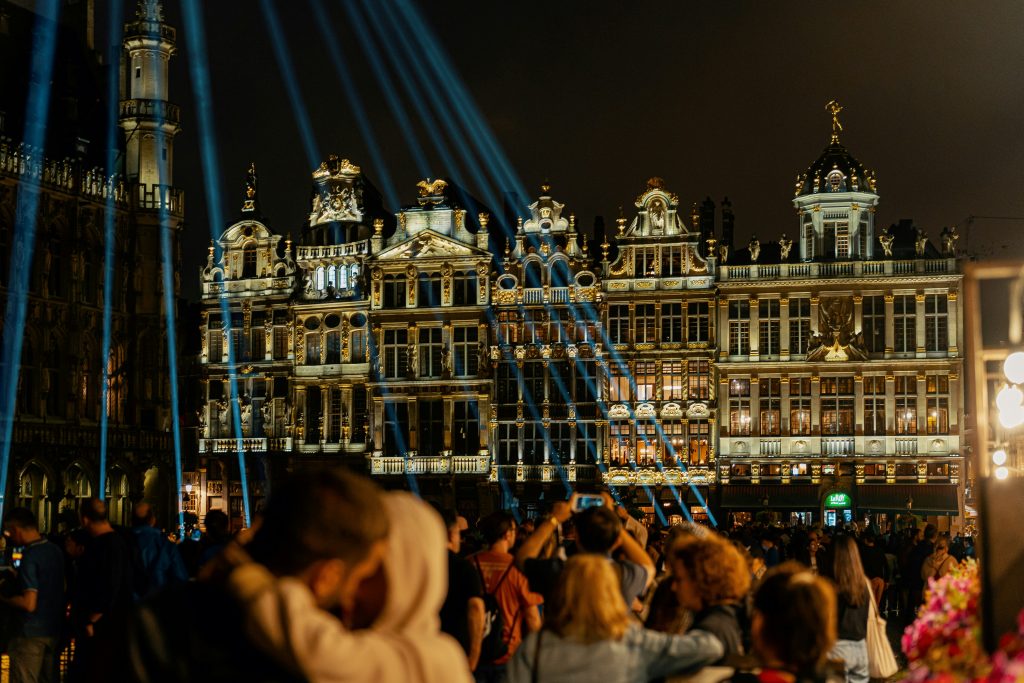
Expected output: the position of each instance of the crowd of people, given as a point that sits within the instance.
(341, 581)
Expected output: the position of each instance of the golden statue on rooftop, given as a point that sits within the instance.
(834, 108)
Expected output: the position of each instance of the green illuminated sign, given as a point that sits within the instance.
(838, 500)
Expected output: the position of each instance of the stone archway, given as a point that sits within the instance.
(34, 493)
(119, 496)
(78, 485)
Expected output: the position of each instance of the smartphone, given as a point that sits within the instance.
(585, 501)
(16, 555)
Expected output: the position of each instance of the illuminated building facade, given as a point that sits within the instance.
(839, 365)
(55, 454)
(817, 376)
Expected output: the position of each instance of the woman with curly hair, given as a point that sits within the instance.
(589, 634)
(712, 581)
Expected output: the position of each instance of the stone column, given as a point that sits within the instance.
(952, 321)
(300, 409)
(814, 314)
(723, 329)
(890, 404)
(919, 324)
(858, 402)
(784, 406)
(414, 424)
(784, 329)
(755, 332)
(816, 406)
(890, 326)
(922, 404)
(858, 313)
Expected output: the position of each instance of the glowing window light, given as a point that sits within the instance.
(999, 457)
(1013, 367)
(1002, 473)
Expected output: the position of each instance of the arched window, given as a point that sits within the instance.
(115, 383)
(342, 278)
(332, 276)
(532, 274)
(318, 279)
(78, 487)
(32, 494)
(560, 276)
(835, 181)
(249, 261)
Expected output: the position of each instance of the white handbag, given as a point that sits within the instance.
(881, 660)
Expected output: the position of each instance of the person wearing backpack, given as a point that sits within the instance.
(508, 602)
(156, 562)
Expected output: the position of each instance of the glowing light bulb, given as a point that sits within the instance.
(999, 457)
(1012, 417)
(1002, 473)
(1009, 398)
(1013, 367)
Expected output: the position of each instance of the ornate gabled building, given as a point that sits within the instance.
(839, 366)
(56, 445)
(245, 321)
(659, 398)
(429, 389)
(818, 376)
(545, 349)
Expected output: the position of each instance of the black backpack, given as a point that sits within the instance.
(493, 647)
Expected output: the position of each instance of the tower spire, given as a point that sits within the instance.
(150, 10)
(149, 120)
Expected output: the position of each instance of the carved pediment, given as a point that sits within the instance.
(429, 244)
(245, 231)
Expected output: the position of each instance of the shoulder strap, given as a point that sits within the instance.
(505, 574)
(483, 579)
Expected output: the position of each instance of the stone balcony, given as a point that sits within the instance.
(807, 446)
(384, 465)
(658, 476)
(835, 269)
(249, 445)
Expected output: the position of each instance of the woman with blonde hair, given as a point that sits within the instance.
(589, 632)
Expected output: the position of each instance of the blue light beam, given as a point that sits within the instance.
(195, 37)
(44, 48)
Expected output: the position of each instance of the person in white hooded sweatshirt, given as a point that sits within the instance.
(287, 607)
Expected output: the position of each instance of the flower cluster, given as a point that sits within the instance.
(944, 644)
(1008, 661)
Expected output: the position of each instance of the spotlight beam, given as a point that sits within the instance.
(387, 88)
(291, 83)
(195, 37)
(355, 102)
(37, 106)
(116, 28)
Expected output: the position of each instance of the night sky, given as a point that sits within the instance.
(719, 99)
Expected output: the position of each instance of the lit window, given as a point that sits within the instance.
(739, 407)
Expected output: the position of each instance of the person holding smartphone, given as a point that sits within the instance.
(40, 598)
(600, 529)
